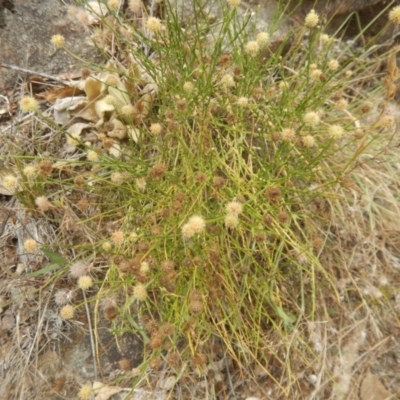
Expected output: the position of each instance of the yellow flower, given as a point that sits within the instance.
(113, 4)
(234, 208)
(262, 39)
(333, 65)
(311, 20)
(324, 38)
(85, 392)
(144, 267)
(92, 156)
(128, 110)
(67, 312)
(386, 121)
(231, 221)
(394, 15)
(252, 48)
(242, 101)
(30, 171)
(58, 41)
(188, 87)
(117, 237)
(30, 245)
(195, 224)
(335, 131)
(106, 246)
(288, 135)
(28, 104)
(308, 141)
(311, 119)
(155, 128)
(316, 73)
(10, 183)
(153, 24)
(140, 292)
(85, 282)
(341, 104)
(227, 81)
(141, 184)
(234, 3)
(43, 203)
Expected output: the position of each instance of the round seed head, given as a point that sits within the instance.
(311, 20)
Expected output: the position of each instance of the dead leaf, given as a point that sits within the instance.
(392, 69)
(104, 392)
(134, 72)
(103, 109)
(372, 389)
(150, 88)
(121, 96)
(92, 89)
(69, 102)
(79, 128)
(62, 108)
(115, 150)
(75, 131)
(58, 384)
(84, 111)
(119, 130)
(55, 93)
(133, 133)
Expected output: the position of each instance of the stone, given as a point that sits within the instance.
(331, 8)
(5, 5)
(25, 38)
(339, 15)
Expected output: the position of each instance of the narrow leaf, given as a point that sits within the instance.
(42, 271)
(54, 257)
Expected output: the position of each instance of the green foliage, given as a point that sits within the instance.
(222, 207)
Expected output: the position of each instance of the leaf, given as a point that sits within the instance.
(119, 130)
(115, 150)
(43, 271)
(103, 108)
(56, 93)
(134, 72)
(69, 103)
(104, 392)
(122, 98)
(62, 108)
(92, 89)
(78, 128)
(138, 328)
(287, 318)
(372, 389)
(134, 133)
(54, 257)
